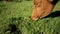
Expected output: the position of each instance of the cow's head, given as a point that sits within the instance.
(42, 8)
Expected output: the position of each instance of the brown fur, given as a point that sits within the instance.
(42, 8)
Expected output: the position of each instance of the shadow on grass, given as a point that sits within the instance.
(13, 29)
(54, 14)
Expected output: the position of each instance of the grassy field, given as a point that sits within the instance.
(15, 19)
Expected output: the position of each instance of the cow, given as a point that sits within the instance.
(42, 8)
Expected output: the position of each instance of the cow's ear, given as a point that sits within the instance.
(50, 0)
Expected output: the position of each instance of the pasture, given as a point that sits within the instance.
(16, 16)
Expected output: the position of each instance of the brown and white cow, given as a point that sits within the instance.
(42, 8)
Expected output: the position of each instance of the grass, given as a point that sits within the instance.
(18, 14)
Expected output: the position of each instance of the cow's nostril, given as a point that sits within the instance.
(35, 18)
